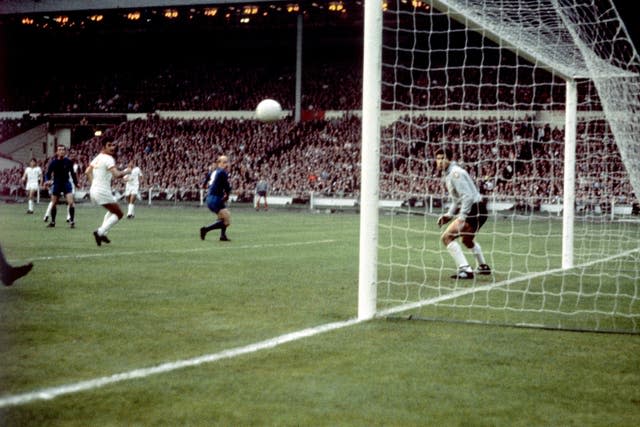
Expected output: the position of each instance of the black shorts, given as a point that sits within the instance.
(262, 193)
(215, 203)
(59, 188)
(477, 216)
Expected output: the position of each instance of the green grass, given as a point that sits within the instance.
(527, 285)
(158, 294)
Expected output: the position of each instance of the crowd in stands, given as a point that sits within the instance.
(509, 159)
(336, 87)
(519, 160)
(191, 71)
(204, 88)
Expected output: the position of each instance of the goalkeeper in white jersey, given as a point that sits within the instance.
(468, 212)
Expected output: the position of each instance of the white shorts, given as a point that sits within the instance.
(102, 197)
(33, 187)
(131, 190)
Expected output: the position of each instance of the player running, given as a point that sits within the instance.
(100, 171)
(217, 195)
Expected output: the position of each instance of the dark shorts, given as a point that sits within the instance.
(477, 216)
(61, 188)
(215, 203)
(262, 193)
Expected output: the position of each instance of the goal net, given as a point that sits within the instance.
(539, 101)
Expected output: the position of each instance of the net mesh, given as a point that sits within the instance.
(488, 79)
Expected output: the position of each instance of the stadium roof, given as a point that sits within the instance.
(43, 6)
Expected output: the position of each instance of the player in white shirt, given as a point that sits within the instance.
(468, 212)
(100, 172)
(132, 188)
(33, 181)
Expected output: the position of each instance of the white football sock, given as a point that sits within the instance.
(456, 252)
(477, 252)
(109, 221)
(30, 204)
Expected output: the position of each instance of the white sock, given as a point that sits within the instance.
(30, 204)
(109, 221)
(456, 252)
(130, 209)
(48, 212)
(104, 221)
(477, 252)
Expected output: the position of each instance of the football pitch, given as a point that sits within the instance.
(161, 328)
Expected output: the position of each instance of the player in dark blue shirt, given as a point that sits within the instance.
(59, 175)
(217, 194)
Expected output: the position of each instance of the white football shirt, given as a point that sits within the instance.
(133, 179)
(462, 190)
(33, 175)
(101, 174)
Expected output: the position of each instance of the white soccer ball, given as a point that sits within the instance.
(269, 110)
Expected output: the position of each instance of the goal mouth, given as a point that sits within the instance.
(570, 295)
(536, 99)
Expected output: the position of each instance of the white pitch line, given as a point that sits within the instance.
(178, 251)
(53, 392)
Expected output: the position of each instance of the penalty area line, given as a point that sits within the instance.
(53, 392)
(180, 251)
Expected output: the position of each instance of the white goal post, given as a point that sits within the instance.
(538, 99)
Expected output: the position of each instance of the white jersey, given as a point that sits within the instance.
(462, 190)
(133, 181)
(100, 191)
(33, 177)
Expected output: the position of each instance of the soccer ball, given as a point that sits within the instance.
(268, 110)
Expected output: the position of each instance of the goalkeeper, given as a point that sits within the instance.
(468, 212)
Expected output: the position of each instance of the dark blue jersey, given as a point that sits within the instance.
(219, 183)
(60, 170)
(207, 179)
